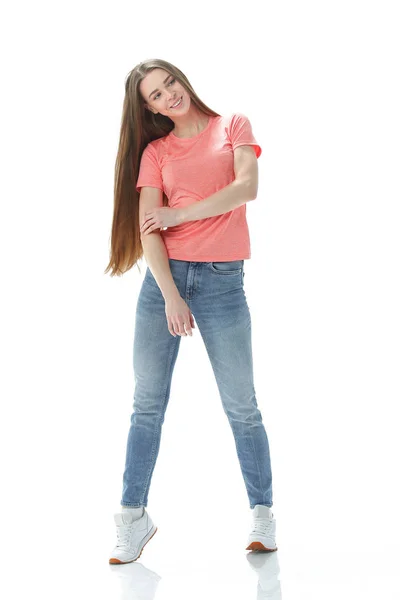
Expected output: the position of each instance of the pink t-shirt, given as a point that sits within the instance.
(191, 169)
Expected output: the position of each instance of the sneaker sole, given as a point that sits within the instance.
(260, 546)
(116, 561)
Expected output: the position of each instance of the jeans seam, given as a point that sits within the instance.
(257, 463)
(155, 435)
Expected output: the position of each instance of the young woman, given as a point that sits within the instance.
(182, 179)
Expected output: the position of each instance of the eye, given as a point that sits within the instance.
(172, 81)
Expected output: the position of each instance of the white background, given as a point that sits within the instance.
(319, 82)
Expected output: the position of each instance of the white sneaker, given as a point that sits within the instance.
(132, 536)
(262, 536)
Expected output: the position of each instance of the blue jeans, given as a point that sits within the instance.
(215, 295)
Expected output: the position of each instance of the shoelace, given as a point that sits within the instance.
(262, 526)
(123, 534)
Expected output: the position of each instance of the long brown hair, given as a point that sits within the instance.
(139, 126)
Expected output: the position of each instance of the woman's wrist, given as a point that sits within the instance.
(182, 214)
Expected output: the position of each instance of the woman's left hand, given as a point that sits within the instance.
(161, 217)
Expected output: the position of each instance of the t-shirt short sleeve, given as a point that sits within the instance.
(149, 171)
(241, 133)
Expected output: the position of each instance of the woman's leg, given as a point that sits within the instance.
(154, 356)
(220, 308)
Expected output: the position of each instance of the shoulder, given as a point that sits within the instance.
(237, 117)
(154, 148)
(236, 123)
(235, 120)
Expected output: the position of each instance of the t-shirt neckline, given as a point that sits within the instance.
(175, 137)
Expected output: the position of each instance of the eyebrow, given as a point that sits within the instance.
(157, 90)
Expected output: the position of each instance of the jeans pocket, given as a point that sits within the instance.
(230, 267)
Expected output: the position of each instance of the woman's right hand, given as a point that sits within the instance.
(178, 316)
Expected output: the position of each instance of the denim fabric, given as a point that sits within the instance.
(214, 292)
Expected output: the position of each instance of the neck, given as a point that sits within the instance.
(191, 124)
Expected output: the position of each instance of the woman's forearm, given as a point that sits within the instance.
(156, 256)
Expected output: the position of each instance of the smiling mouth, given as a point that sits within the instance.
(179, 103)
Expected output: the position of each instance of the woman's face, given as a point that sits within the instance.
(161, 90)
